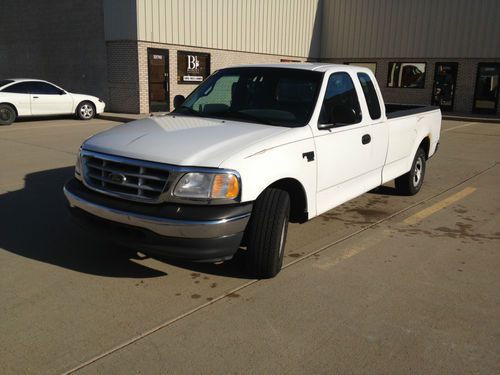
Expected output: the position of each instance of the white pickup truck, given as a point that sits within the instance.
(251, 149)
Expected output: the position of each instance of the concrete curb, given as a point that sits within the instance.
(492, 120)
(119, 117)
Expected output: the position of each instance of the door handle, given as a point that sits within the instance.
(35, 97)
(366, 139)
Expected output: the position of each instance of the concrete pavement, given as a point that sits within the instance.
(374, 286)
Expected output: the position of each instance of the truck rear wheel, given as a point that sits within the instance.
(267, 230)
(411, 182)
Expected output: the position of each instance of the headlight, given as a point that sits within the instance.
(208, 186)
(78, 166)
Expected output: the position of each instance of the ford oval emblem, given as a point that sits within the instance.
(117, 177)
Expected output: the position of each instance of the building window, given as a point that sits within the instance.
(406, 75)
(192, 67)
(370, 65)
(289, 61)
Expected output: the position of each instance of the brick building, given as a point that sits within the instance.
(138, 54)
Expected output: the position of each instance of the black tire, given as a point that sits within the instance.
(411, 182)
(7, 114)
(85, 111)
(266, 233)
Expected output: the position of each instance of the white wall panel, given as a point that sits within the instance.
(411, 28)
(287, 27)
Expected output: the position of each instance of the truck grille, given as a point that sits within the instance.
(126, 178)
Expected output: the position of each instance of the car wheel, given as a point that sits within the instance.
(7, 114)
(85, 111)
(266, 233)
(411, 182)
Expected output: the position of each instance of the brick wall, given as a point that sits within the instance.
(59, 41)
(464, 92)
(123, 77)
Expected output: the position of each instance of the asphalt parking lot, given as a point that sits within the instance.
(382, 284)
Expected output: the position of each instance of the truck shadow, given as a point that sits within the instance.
(384, 190)
(35, 223)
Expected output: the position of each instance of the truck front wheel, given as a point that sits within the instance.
(411, 182)
(266, 233)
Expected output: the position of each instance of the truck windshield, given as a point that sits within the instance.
(273, 96)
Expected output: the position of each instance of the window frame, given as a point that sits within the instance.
(406, 62)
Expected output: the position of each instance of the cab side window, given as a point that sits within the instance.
(18, 88)
(43, 88)
(370, 96)
(340, 105)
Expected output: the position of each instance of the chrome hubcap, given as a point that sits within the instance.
(417, 173)
(86, 111)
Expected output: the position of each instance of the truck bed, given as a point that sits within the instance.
(393, 110)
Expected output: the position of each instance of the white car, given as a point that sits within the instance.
(34, 97)
(250, 149)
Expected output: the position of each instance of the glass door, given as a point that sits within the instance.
(486, 94)
(445, 81)
(159, 98)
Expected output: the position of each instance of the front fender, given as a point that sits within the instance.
(261, 169)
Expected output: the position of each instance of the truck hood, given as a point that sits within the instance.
(181, 140)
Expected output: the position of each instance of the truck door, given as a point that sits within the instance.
(343, 144)
(378, 129)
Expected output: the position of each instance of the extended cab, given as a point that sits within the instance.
(252, 148)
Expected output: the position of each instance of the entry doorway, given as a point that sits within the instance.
(486, 94)
(158, 80)
(445, 81)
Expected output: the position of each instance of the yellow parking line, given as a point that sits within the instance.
(414, 219)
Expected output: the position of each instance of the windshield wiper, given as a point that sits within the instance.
(242, 116)
(187, 110)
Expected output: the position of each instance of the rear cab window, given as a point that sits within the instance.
(370, 95)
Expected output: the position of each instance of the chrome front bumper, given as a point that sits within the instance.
(163, 226)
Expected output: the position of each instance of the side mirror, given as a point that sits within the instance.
(62, 92)
(178, 100)
(325, 126)
(340, 115)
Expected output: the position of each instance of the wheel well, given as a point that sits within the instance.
(85, 101)
(13, 106)
(298, 198)
(426, 145)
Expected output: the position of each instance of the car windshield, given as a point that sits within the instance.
(273, 96)
(4, 82)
